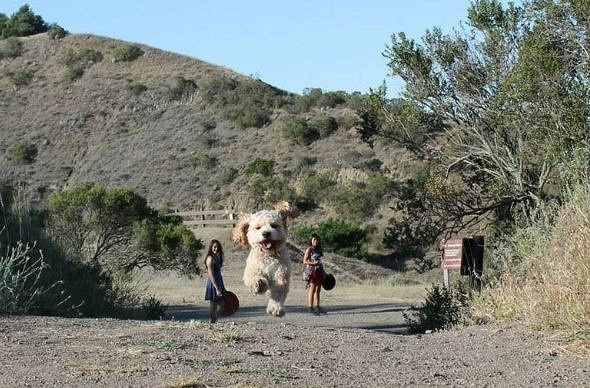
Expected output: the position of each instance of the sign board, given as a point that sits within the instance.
(452, 253)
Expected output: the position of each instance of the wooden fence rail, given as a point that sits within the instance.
(207, 218)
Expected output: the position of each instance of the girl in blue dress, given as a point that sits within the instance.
(215, 290)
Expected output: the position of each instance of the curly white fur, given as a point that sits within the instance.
(268, 267)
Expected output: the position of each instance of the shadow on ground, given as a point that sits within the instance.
(381, 317)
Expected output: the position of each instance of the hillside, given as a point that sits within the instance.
(96, 129)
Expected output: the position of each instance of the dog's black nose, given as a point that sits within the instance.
(266, 234)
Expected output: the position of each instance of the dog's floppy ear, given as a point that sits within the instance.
(240, 230)
(285, 209)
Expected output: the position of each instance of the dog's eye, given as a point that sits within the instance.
(274, 226)
(258, 227)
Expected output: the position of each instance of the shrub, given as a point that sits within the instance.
(442, 309)
(23, 153)
(20, 273)
(126, 53)
(338, 236)
(204, 160)
(316, 188)
(252, 117)
(181, 88)
(77, 62)
(12, 48)
(136, 88)
(21, 77)
(206, 139)
(227, 175)
(357, 200)
(298, 130)
(324, 126)
(270, 191)
(260, 166)
(56, 32)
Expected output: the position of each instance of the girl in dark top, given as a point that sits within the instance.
(314, 271)
(215, 290)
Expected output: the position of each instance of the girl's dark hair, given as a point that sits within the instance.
(318, 247)
(210, 251)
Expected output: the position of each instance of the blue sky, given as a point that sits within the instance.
(330, 44)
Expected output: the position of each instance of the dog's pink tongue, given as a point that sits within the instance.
(267, 245)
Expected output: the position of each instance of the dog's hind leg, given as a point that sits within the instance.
(276, 303)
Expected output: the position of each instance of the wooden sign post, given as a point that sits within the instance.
(452, 257)
(466, 255)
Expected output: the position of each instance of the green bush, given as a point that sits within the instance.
(11, 48)
(358, 200)
(207, 139)
(325, 126)
(299, 131)
(228, 175)
(181, 88)
(338, 236)
(127, 53)
(270, 191)
(21, 77)
(204, 160)
(56, 32)
(77, 62)
(252, 117)
(136, 88)
(442, 309)
(23, 153)
(261, 166)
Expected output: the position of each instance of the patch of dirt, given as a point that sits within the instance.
(45, 351)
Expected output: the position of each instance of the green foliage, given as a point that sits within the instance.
(24, 22)
(77, 62)
(252, 117)
(247, 103)
(324, 126)
(181, 88)
(21, 77)
(357, 200)
(316, 97)
(204, 160)
(498, 156)
(11, 48)
(23, 153)
(41, 278)
(316, 188)
(442, 309)
(136, 88)
(118, 230)
(20, 274)
(206, 139)
(127, 53)
(56, 32)
(260, 166)
(338, 236)
(228, 175)
(270, 191)
(298, 130)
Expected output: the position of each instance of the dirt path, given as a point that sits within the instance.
(360, 342)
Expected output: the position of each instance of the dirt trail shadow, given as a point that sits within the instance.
(382, 317)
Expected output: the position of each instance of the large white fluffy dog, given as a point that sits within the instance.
(268, 267)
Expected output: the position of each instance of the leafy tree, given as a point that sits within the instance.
(507, 97)
(338, 236)
(118, 230)
(22, 23)
(56, 32)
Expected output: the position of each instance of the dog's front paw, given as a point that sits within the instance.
(275, 309)
(259, 286)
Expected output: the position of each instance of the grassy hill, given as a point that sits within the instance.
(180, 131)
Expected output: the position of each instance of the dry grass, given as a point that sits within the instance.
(550, 290)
